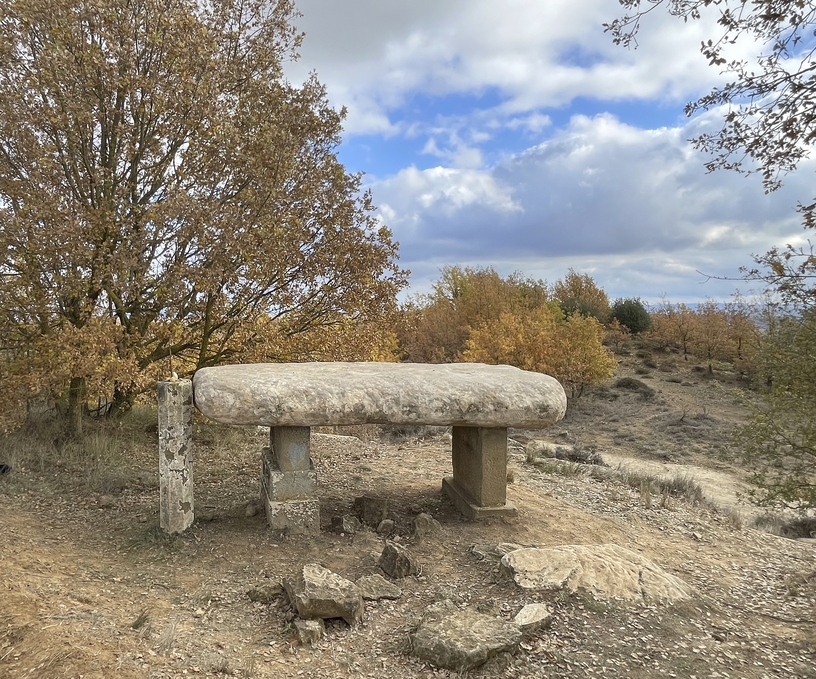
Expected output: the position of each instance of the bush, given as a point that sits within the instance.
(634, 385)
(631, 314)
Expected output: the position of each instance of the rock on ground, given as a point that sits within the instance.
(533, 617)
(265, 593)
(562, 451)
(604, 571)
(425, 524)
(397, 561)
(386, 527)
(375, 587)
(316, 592)
(346, 524)
(310, 631)
(461, 639)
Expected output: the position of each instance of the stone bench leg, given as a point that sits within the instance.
(289, 483)
(479, 484)
(176, 507)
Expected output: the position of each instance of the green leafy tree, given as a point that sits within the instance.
(632, 314)
(778, 444)
(164, 191)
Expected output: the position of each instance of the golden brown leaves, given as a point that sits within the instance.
(165, 191)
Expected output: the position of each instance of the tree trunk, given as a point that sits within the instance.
(122, 402)
(76, 402)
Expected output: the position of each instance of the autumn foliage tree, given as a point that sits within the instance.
(164, 191)
(579, 293)
(475, 315)
(436, 326)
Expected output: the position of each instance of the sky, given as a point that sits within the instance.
(516, 135)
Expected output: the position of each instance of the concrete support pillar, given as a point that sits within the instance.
(175, 400)
(290, 446)
(479, 484)
(289, 483)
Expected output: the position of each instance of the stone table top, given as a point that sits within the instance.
(321, 394)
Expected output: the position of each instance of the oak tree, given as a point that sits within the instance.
(165, 191)
(631, 313)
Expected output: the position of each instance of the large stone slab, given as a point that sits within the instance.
(604, 571)
(461, 639)
(322, 394)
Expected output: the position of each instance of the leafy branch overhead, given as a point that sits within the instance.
(769, 122)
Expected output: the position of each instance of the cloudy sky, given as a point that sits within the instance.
(515, 135)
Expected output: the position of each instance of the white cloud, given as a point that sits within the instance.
(633, 202)
(374, 55)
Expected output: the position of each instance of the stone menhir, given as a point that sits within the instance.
(479, 401)
(176, 510)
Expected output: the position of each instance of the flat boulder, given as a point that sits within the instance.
(461, 639)
(323, 394)
(604, 571)
(375, 587)
(316, 592)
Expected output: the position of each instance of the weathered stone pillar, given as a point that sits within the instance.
(479, 484)
(290, 446)
(289, 483)
(175, 455)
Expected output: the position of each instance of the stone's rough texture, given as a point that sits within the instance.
(290, 448)
(425, 524)
(506, 547)
(315, 394)
(295, 517)
(397, 561)
(316, 592)
(346, 523)
(386, 527)
(533, 617)
(460, 640)
(310, 631)
(375, 587)
(280, 486)
(176, 508)
(604, 571)
(265, 593)
(371, 510)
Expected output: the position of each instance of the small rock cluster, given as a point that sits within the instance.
(455, 636)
